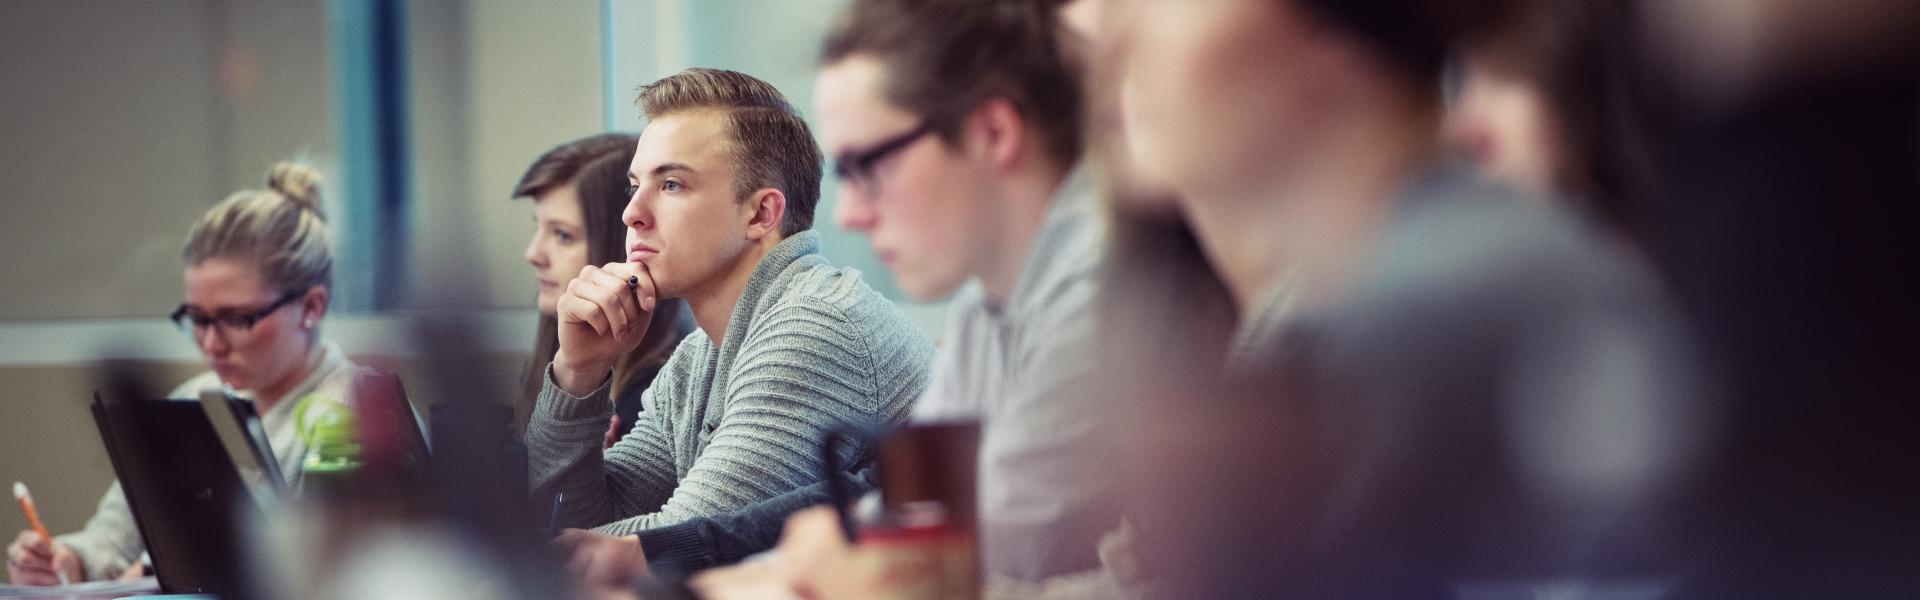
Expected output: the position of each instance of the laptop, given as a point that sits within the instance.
(194, 471)
(186, 496)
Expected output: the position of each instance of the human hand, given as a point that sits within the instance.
(601, 561)
(813, 560)
(761, 580)
(604, 313)
(31, 561)
(818, 560)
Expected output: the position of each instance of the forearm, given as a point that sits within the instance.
(730, 537)
(760, 451)
(111, 540)
(1119, 575)
(564, 458)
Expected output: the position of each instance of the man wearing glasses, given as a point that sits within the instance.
(956, 126)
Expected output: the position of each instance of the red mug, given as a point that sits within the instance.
(923, 542)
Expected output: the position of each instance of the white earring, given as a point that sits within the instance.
(308, 324)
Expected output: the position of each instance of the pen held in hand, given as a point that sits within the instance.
(33, 520)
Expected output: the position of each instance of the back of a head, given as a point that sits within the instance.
(280, 230)
(1413, 35)
(943, 58)
(772, 147)
(1579, 55)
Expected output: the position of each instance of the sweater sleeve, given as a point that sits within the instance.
(111, 540)
(564, 456)
(728, 538)
(803, 371)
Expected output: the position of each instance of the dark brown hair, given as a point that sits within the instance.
(1414, 35)
(596, 167)
(1579, 54)
(562, 164)
(943, 58)
(770, 144)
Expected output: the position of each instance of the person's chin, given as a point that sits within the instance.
(923, 289)
(234, 380)
(664, 287)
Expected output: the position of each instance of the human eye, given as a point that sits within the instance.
(240, 322)
(670, 185)
(201, 321)
(632, 189)
(563, 236)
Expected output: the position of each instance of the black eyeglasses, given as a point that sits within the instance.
(193, 324)
(856, 168)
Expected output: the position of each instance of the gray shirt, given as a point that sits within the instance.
(1022, 368)
(809, 348)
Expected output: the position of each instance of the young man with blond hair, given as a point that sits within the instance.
(724, 181)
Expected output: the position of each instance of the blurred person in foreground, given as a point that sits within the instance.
(724, 180)
(578, 190)
(1789, 152)
(1420, 384)
(257, 287)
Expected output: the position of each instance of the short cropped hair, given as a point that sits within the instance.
(943, 58)
(771, 146)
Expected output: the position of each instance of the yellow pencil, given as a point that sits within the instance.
(33, 519)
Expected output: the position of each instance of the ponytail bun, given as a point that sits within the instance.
(299, 183)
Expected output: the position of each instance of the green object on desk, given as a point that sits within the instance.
(326, 426)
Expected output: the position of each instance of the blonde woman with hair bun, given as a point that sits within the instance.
(258, 273)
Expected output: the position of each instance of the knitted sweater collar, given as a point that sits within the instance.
(766, 278)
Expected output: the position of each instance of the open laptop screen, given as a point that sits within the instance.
(185, 494)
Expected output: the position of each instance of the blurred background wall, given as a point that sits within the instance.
(121, 122)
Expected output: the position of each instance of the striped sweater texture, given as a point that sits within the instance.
(810, 348)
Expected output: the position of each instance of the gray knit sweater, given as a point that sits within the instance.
(810, 347)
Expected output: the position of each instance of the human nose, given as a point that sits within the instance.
(639, 214)
(212, 339)
(854, 211)
(535, 253)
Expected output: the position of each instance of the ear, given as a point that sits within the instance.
(769, 208)
(313, 307)
(997, 131)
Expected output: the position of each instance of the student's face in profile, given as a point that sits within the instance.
(1096, 28)
(245, 359)
(690, 229)
(1213, 90)
(1502, 121)
(919, 205)
(558, 250)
